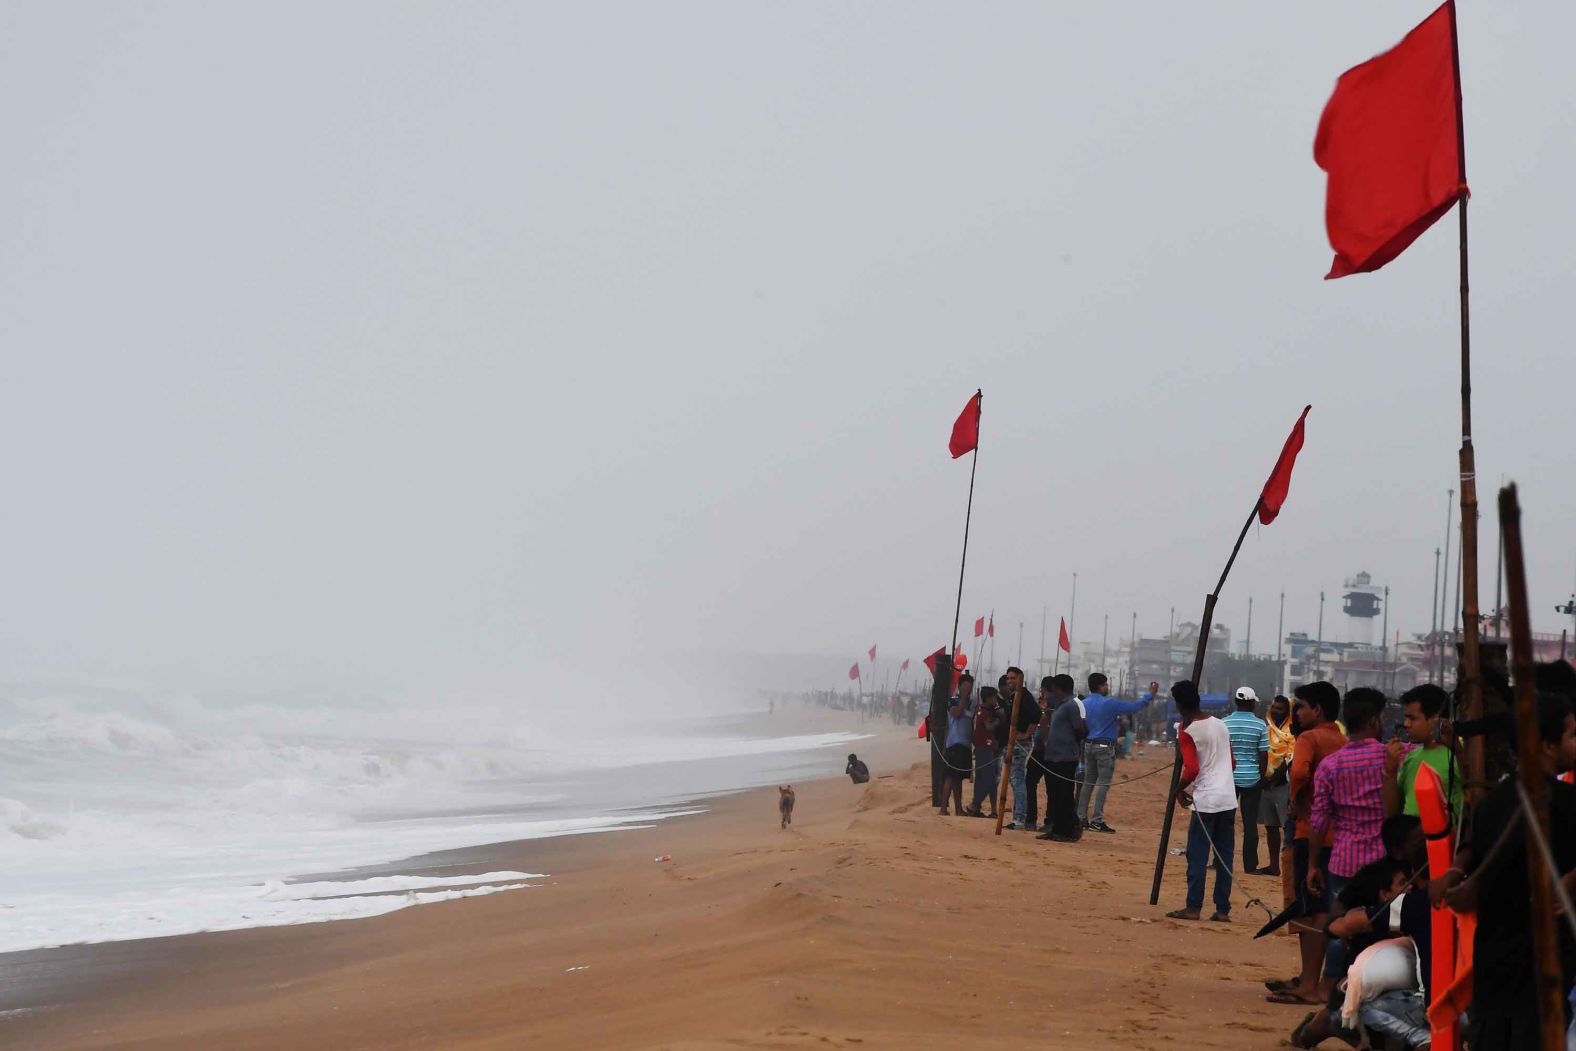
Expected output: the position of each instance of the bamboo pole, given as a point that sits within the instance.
(1546, 972)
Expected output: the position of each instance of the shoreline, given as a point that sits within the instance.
(870, 922)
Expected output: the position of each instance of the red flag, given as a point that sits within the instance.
(966, 431)
(960, 661)
(979, 627)
(930, 661)
(991, 631)
(1390, 139)
(1279, 482)
(872, 653)
(853, 673)
(1063, 642)
(904, 665)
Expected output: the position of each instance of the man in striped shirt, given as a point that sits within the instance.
(1348, 795)
(1250, 746)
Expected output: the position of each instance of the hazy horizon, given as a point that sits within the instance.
(428, 351)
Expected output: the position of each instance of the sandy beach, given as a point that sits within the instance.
(872, 922)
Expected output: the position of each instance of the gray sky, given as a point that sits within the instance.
(433, 347)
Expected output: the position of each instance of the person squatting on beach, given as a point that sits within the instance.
(1063, 744)
(957, 753)
(1208, 787)
(1099, 752)
(856, 769)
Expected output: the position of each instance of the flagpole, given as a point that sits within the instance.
(1198, 674)
(1469, 689)
(968, 516)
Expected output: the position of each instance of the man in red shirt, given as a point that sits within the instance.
(1208, 787)
(1318, 705)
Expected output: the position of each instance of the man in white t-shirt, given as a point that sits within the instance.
(1209, 787)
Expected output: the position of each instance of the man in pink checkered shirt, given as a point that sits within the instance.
(1348, 792)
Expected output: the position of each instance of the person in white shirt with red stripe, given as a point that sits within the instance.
(1209, 787)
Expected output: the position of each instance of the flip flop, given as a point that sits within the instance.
(1180, 914)
(1290, 997)
(1299, 1035)
(1280, 985)
(1220, 917)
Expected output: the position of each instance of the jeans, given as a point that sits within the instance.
(1031, 782)
(987, 776)
(1099, 763)
(1222, 829)
(1063, 805)
(1020, 796)
(1249, 800)
(1399, 1013)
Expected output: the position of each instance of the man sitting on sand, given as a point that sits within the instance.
(1208, 787)
(856, 770)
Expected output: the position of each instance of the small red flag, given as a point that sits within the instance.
(904, 665)
(979, 627)
(930, 661)
(853, 673)
(1063, 642)
(872, 653)
(1279, 482)
(1390, 139)
(966, 431)
(991, 631)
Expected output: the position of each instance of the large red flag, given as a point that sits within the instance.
(1064, 642)
(872, 653)
(1279, 482)
(979, 627)
(966, 431)
(853, 673)
(1391, 140)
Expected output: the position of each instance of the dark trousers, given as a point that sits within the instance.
(1031, 780)
(1248, 800)
(1201, 831)
(1064, 798)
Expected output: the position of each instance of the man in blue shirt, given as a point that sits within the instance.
(1250, 749)
(958, 754)
(1101, 711)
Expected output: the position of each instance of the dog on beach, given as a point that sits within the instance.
(785, 804)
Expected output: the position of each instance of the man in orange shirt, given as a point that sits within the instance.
(1318, 705)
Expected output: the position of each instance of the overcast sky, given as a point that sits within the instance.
(438, 347)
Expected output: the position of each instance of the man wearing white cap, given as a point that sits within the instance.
(1250, 747)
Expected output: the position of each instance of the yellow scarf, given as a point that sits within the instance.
(1281, 742)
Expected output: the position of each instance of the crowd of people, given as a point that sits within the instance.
(1337, 799)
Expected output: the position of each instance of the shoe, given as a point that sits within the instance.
(1057, 837)
(1100, 826)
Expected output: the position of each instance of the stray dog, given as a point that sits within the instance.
(785, 804)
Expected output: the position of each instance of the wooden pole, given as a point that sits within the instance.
(1470, 688)
(1198, 675)
(1006, 761)
(1433, 608)
(1546, 972)
(968, 516)
(1444, 587)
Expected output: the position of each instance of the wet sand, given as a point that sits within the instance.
(872, 922)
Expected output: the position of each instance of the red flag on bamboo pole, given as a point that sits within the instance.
(966, 431)
(904, 665)
(853, 673)
(979, 627)
(991, 630)
(872, 653)
(1279, 482)
(1391, 141)
(1064, 642)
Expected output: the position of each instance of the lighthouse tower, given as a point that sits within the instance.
(1361, 604)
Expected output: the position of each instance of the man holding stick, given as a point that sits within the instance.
(1028, 717)
(1208, 788)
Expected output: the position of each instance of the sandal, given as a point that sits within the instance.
(1290, 997)
(1181, 914)
(1220, 917)
(1280, 985)
(1299, 1035)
